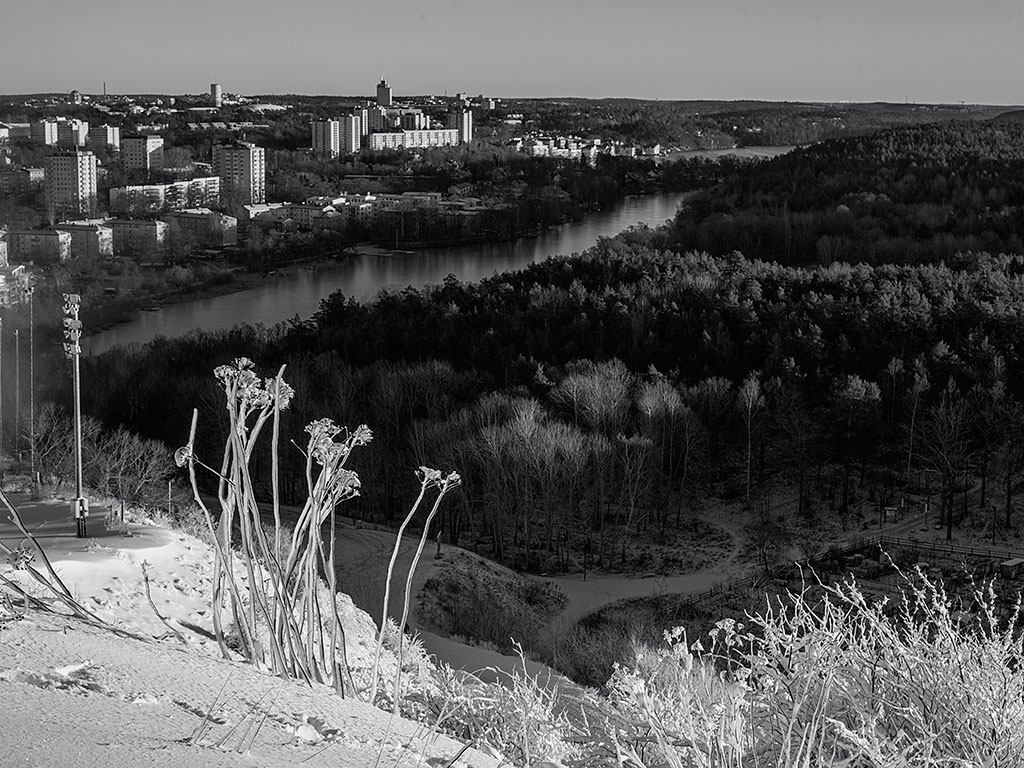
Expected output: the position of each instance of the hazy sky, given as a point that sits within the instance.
(807, 50)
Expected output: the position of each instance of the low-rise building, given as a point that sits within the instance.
(387, 140)
(433, 137)
(18, 130)
(89, 240)
(38, 246)
(157, 198)
(305, 213)
(14, 181)
(201, 227)
(138, 238)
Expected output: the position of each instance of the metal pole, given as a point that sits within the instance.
(78, 429)
(17, 393)
(32, 381)
(72, 349)
(1, 388)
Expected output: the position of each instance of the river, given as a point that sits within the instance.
(363, 275)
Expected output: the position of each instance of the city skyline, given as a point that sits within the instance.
(790, 50)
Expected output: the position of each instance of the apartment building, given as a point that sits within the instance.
(142, 152)
(138, 238)
(70, 184)
(72, 133)
(89, 240)
(201, 228)
(105, 136)
(241, 167)
(433, 137)
(326, 138)
(462, 121)
(44, 132)
(350, 133)
(38, 246)
(138, 200)
(14, 181)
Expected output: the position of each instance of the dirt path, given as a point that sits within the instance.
(363, 554)
(596, 591)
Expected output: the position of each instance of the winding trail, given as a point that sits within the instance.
(597, 591)
(363, 553)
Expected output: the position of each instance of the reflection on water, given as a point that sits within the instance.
(363, 276)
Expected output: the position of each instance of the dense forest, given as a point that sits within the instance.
(907, 195)
(611, 386)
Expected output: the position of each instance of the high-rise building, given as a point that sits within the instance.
(242, 170)
(462, 119)
(44, 131)
(377, 118)
(70, 183)
(143, 152)
(105, 136)
(216, 96)
(383, 93)
(72, 133)
(351, 134)
(412, 120)
(326, 138)
(364, 120)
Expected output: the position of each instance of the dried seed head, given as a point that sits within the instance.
(183, 455)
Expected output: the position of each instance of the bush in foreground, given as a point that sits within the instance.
(832, 678)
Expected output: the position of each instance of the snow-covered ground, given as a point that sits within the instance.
(76, 695)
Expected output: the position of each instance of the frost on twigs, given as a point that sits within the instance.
(830, 676)
(430, 479)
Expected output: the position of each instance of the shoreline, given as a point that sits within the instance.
(245, 277)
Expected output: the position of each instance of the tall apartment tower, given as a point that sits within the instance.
(242, 170)
(326, 138)
(364, 120)
(376, 119)
(70, 184)
(144, 152)
(351, 133)
(462, 119)
(44, 132)
(216, 96)
(105, 136)
(72, 133)
(383, 93)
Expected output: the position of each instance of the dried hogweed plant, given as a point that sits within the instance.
(272, 584)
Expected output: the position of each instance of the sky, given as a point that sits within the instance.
(781, 50)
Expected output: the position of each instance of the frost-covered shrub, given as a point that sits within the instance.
(832, 678)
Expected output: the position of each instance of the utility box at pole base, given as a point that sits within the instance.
(80, 511)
